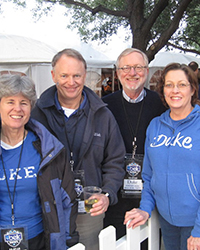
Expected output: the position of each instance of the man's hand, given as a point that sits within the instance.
(101, 206)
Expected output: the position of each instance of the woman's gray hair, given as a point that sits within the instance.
(129, 51)
(15, 84)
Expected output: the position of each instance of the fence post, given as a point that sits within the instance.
(149, 230)
(154, 231)
(107, 238)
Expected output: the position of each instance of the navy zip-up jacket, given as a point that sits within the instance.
(102, 148)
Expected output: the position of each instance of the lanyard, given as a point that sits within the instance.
(71, 146)
(133, 133)
(14, 191)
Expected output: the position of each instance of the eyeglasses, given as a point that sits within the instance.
(137, 68)
(179, 85)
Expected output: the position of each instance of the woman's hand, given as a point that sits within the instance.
(193, 243)
(136, 217)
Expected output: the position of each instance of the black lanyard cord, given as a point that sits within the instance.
(71, 146)
(14, 191)
(133, 133)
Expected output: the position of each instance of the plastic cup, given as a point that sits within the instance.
(89, 193)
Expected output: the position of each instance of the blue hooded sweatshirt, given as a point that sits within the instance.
(171, 170)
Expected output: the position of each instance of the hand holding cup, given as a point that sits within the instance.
(90, 196)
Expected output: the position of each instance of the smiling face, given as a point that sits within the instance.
(69, 75)
(178, 99)
(132, 82)
(15, 112)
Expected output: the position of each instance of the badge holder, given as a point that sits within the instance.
(79, 179)
(14, 238)
(132, 183)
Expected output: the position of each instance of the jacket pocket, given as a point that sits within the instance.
(193, 182)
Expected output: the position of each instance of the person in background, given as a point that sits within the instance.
(171, 162)
(195, 67)
(133, 107)
(107, 88)
(90, 134)
(38, 201)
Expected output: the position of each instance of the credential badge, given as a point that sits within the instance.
(13, 238)
(78, 187)
(133, 169)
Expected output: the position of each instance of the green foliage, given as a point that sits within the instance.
(188, 34)
(17, 2)
(95, 27)
(192, 30)
(20, 3)
(162, 22)
(112, 4)
(102, 25)
(42, 9)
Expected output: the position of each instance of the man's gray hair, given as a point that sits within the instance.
(69, 53)
(129, 51)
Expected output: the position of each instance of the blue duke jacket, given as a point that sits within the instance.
(102, 149)
(56, 190)
(171, 169)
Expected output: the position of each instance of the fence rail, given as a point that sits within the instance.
(132, 239)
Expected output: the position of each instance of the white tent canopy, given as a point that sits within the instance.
(162, 59)
(33, 58)
(94, 58)
(17, 49)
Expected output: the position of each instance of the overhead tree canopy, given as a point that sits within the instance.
(152, 24)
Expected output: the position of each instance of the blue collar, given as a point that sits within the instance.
(58, 106)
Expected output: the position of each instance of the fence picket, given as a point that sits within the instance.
(78, 246)
(132, 239)
(107, 239)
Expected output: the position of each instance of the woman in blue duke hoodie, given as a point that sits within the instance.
(171, 167)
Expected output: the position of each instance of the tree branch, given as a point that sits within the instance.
(166, 35)
(159, 7)
(95, 10)
(183, 49)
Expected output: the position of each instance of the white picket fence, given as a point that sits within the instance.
(132, 239)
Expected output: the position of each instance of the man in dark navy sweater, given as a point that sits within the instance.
(133, 107)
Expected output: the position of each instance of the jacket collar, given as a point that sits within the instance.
(47, 98)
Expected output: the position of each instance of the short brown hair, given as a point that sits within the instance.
(193, 65)
(69, 53)
(190, 76)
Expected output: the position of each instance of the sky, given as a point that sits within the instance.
(50, 29)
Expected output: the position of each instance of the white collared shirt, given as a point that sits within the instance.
(138, 99)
